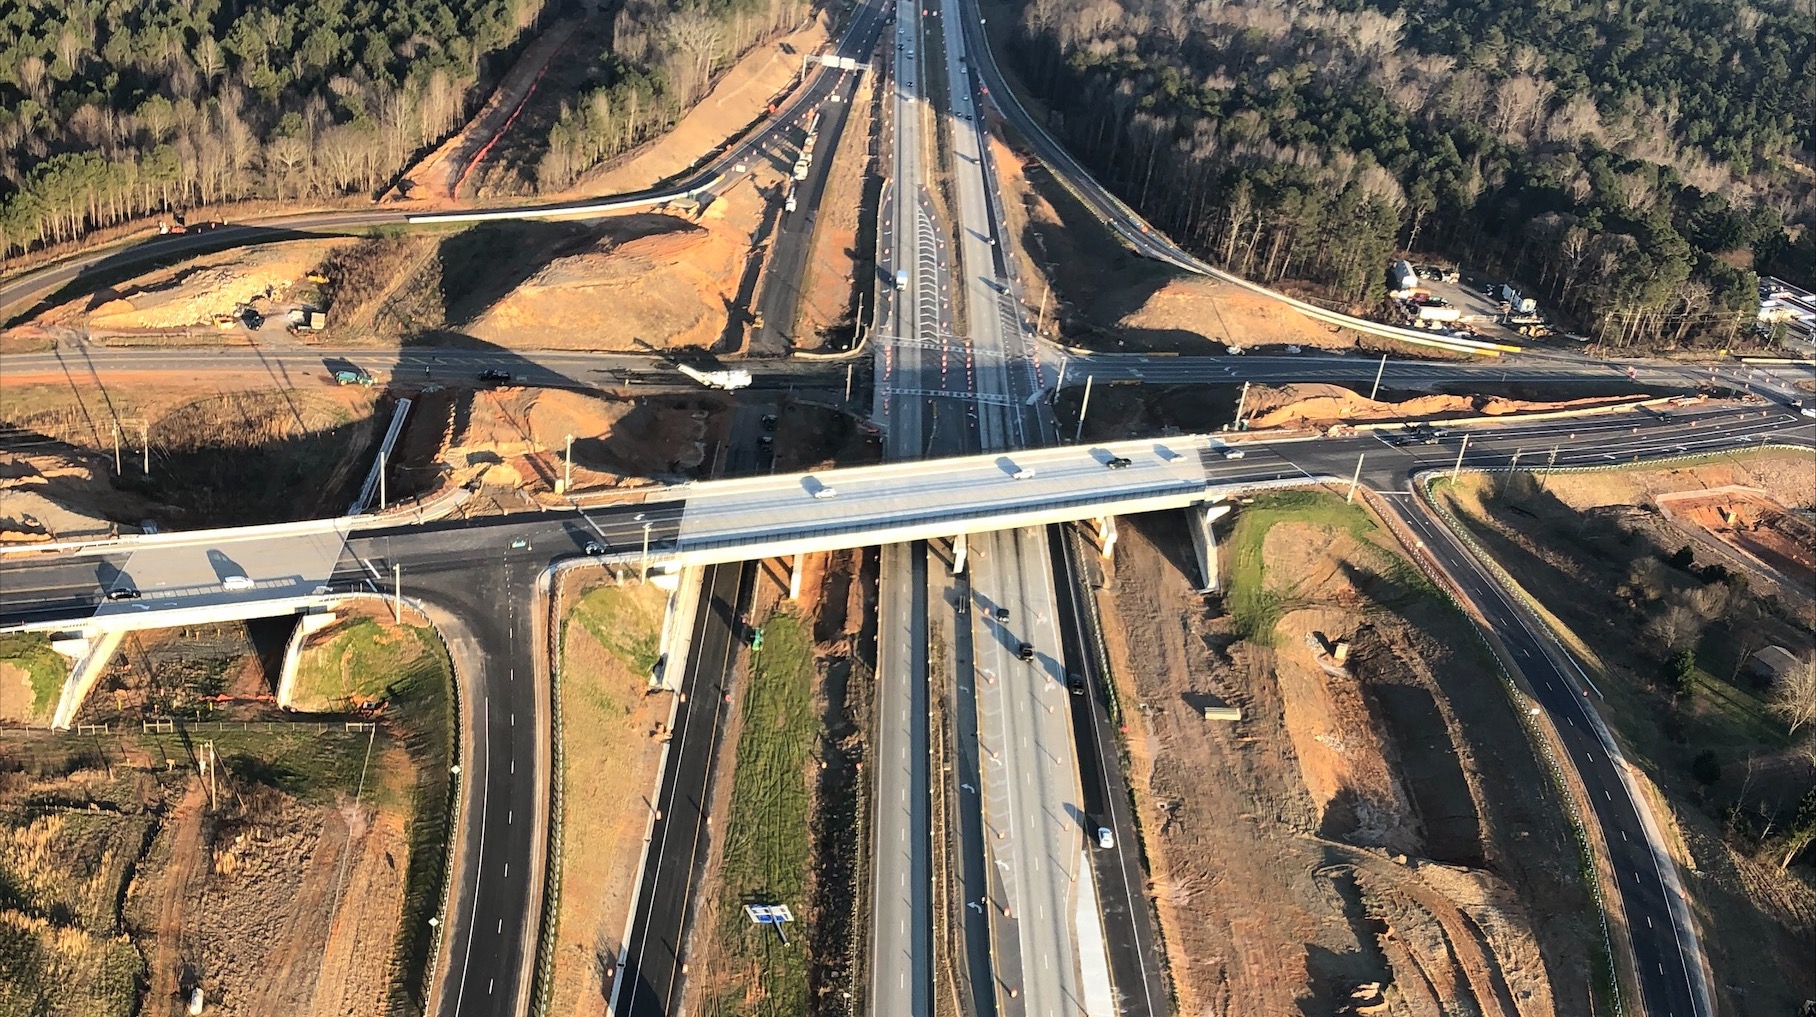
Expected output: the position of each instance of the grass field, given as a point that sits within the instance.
(766, 841)
(1257, 597)
(626, 621)
(31, 651)
(361, 658)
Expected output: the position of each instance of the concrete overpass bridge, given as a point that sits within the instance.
(267, 571)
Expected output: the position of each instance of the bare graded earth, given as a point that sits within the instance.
(1602, 537)
(1379, 820)
(270, 901)
(508, 445)
(218, 455)
(736, 99)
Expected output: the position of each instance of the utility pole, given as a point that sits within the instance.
(848, 369)
(397, 602)
(1040, 326)
(1064, 363)
(145, 440)
(567, 468)
(644, 574)
(1241, 404)
(116, 436)
(1378, 372)
(206, 761)
(1083, 405)
(1354, 478)
(383, 497)
(1458, 468)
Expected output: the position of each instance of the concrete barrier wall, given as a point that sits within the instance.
(306, 626)
(82, 677)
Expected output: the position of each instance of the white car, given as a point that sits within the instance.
(1023, 473)
(236, 583)
(1105, 839)
(1233, 453)
(823, 492)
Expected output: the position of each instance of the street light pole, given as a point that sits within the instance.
(644, 575)
(567, 477)
(1083, 405)
(397, 602)
(1378, 372)
(1458, 468)
(1351, 496)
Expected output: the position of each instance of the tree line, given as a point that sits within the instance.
(1635, 164)
(115, 109)
(662, 60)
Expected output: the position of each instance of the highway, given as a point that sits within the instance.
(901, 950)
(1131, 941)
(1035, 829)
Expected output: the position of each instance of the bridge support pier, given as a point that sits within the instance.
(1106, 533)
(1205, 542)
(794, 578)
(958, 554)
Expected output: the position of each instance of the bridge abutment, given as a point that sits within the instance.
(1204, 541)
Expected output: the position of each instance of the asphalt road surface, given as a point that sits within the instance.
(1658, 923)
(792, 242)
(1132, 946)
(651, 981)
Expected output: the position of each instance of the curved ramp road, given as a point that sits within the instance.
(33, 291)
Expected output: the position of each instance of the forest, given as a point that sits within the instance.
(1636, 164)
(112, 110)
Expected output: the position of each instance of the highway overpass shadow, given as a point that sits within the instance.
(1094, 270)
(1169, 535)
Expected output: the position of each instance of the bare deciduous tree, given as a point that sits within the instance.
(1794, 697)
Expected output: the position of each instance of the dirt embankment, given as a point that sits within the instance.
(436, 179)
(510, 444)
(651, 279)
(1104, 296)
(1304, 405)
(201, 298)
(216, 457)
(1376, 816)
(738, 98)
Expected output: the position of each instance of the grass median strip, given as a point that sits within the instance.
(767, 839)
